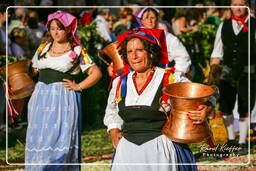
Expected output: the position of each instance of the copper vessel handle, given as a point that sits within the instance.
(216, 90)
(160, 103)
(102, 59)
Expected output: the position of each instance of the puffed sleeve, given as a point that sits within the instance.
(42, 49)
(218, 45)
(111, 118)
(35, 60)
(178, 53)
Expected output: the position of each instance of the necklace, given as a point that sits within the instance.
(66, 49)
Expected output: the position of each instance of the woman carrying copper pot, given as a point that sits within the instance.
(133, 114)
(54, 113)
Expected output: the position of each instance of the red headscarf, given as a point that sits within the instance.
(152, 35)
(156, 36)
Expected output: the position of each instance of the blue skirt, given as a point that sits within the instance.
(185, 155)
(53, 134)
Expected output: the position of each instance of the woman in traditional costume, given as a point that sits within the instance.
(54, 113)
(133, 115)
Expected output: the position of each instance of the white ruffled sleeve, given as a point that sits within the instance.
(35, 60)
(43, 48)
(111, 118)
(178, 53)
(218, 44)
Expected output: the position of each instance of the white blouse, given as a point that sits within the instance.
(61, 63)
(178, 53)
(112, 119)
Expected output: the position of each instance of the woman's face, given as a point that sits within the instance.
(149, 20)
(57, 33)
(137, 56)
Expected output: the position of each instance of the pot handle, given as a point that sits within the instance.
(161, 103)
(216, 90)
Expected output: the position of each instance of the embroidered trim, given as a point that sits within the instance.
(168, 79)
(121, 88)
(51, 149)
(85, 57)
(41, 48)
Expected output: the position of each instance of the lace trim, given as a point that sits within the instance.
(51, 149)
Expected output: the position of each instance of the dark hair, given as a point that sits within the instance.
(17, 33)
(3, 8)
(32, 19)
(124, 12)
(153, 50)
(103, 11)
(48, 38)
(180, 12)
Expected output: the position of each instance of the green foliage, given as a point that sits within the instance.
(94, 99)
(96, 143)
(90, 39)
(199, 45)
(204, 38)
(11, 59)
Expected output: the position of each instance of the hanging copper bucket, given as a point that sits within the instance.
(112, 52)
(185, 97)
(19, 82)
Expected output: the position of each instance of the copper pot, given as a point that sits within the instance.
(185, 97)
(112, 52)
(19, 80)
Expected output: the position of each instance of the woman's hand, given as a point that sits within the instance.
(115, 135)
(71, 85)
(200, 115)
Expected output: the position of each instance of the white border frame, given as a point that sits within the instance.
(109, 164)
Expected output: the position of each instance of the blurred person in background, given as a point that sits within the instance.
(112, 19)
(3, 29)
(24, 2)
(177, 54)
(87, 16)
(135, 5)
(2, 52)
(124, 22)
(34, 27)
(213, 14)
(19, 20)
(225, 14)
(231, 51)
(181, 23)
(17, 37)
(102, 24)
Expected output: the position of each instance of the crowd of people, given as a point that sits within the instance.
(147, 42)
